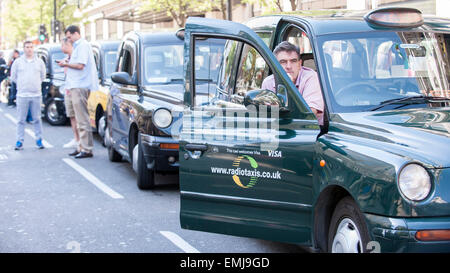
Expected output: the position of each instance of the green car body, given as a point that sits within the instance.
(239, 184)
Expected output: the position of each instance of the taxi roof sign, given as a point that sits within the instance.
(395, 17)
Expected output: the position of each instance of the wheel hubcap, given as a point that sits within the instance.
(101, 127)
(347, 238)
(135, 158)
(53, 112)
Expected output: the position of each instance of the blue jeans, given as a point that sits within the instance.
(34, 105)
(12, 94)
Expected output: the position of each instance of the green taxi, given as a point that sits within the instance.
(373, 177)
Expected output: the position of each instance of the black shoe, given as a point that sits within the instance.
(84, 155)
(74, 153)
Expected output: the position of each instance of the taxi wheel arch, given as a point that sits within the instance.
(348, 232)
(145, 176)
(323, 212)
(99, 113)
(132, 140)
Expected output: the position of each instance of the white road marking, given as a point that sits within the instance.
(91, 178)
(29, 132)
(179, 242)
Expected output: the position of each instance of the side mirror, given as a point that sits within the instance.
(264, 98)
(122, 78)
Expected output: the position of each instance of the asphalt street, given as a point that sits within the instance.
(52, 203)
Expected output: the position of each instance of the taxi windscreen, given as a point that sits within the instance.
(110, 63)
(386, 70)
(163, 64)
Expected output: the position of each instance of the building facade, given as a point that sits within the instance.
(112, 19)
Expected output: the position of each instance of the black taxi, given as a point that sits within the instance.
(145, 103)
(372, 176)
(52, 87)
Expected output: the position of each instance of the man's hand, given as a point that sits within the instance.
(65, 63)
(62, 63)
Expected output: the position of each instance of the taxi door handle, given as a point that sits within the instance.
(195, 151)
(196, 147)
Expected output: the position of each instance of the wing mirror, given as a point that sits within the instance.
(122, 78)
(266, 98)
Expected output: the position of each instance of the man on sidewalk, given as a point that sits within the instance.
(28, 72)
(81, 79)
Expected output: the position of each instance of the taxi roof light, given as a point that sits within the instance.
(395, 17)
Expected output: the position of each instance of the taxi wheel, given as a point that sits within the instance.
(145, 177)
(101, 127)
(52, 113)
(348, 232)
(113, 155)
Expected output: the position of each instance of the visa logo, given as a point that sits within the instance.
(275, 153)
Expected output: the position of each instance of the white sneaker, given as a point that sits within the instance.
(72, 144)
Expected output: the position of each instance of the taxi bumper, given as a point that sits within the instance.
(160, 153)
(403, 234)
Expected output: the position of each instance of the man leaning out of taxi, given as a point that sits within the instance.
(304, 78)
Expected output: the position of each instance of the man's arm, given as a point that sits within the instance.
(14, 72)
(73, 66)
(312, 94)
(80, 58)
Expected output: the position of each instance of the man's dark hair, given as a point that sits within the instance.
(16, 51)
(72, 29)
(27, 42)
(288, 47)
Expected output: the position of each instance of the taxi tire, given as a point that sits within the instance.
(113, 155)
(52, 104)
(145, 177)
(348, 209)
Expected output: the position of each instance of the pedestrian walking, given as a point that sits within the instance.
(81, 78)
(13, 87)
(28, 72)
(67, 48)
(3, 67)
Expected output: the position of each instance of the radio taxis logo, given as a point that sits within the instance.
(253, 164)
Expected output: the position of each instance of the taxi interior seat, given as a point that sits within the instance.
(308, 61)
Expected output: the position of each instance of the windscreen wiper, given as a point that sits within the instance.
(407, 100)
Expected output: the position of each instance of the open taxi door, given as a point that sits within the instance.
(235, 142)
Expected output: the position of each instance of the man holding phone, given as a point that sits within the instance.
(80, 80)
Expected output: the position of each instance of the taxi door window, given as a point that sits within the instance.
(251, 73)
(97, 62)
(127, 62)
(298, 37)
(266, 37)
(213, 68)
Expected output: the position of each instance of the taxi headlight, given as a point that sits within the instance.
(162, 118)
(414, 182)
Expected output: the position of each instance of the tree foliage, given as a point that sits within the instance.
(273, 5)
(23, 17)
(179, 10)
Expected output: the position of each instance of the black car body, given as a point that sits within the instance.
(131, 134)
(52, 87)
(146, 102)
